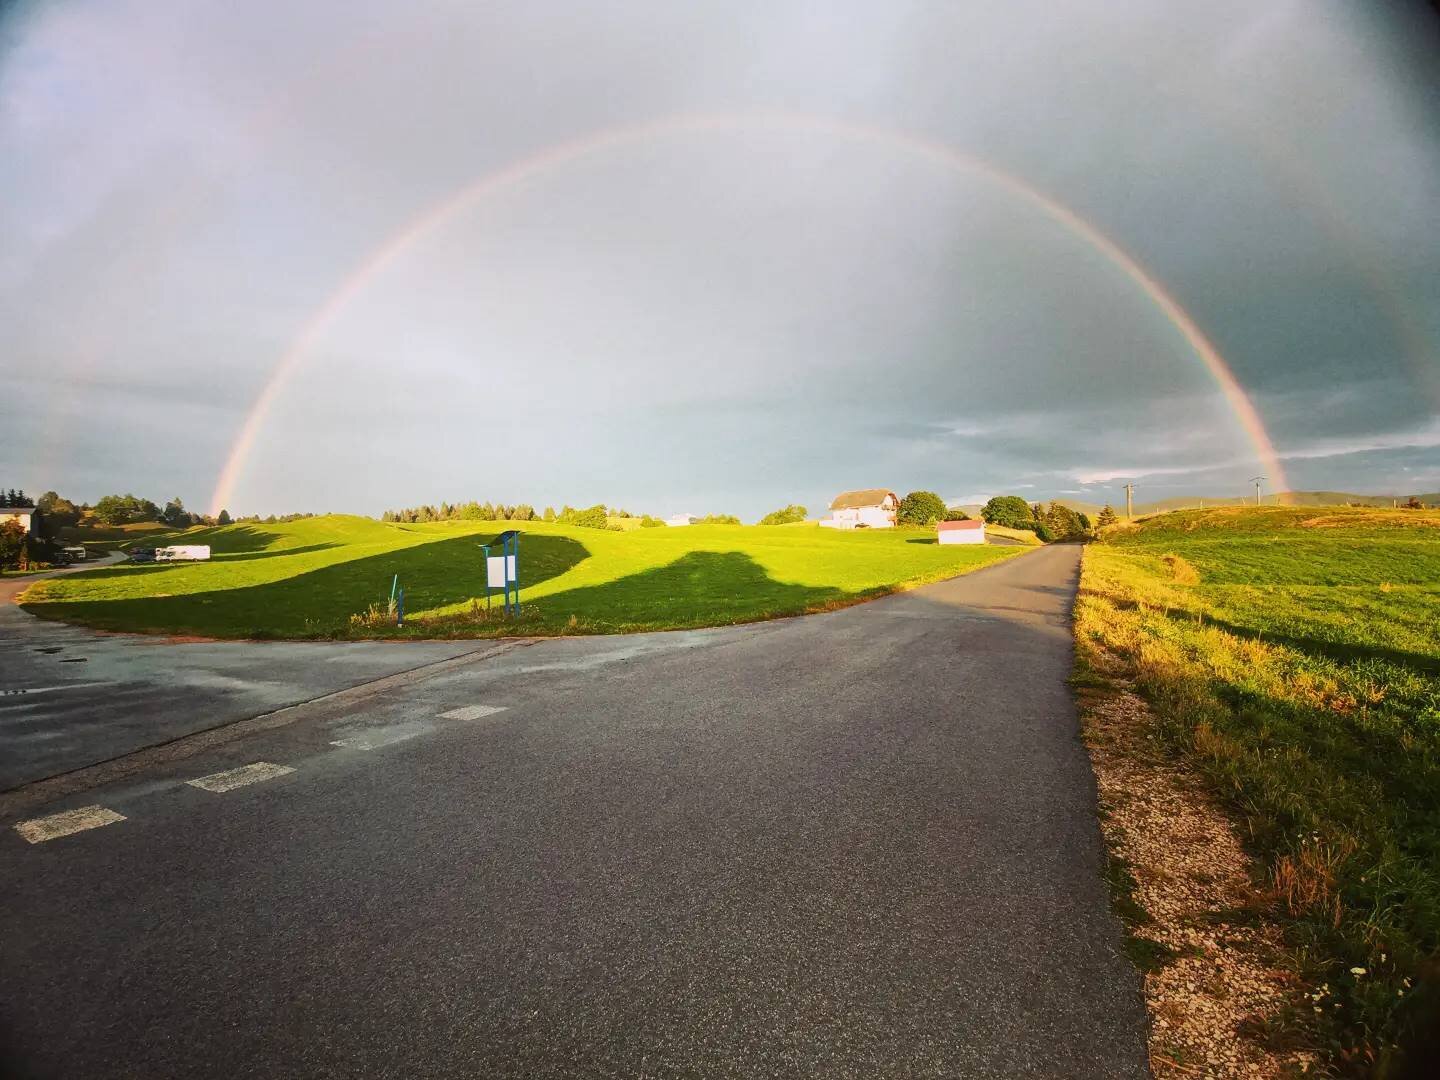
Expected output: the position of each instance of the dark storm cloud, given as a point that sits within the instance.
(723, 319)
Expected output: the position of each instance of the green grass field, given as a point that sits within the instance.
(1293, 656)
(308, 578)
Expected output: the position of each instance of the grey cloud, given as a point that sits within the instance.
(729, 319)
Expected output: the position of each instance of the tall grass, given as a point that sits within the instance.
(1293, 657)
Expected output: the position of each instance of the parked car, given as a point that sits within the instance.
(76, 552)
(142, 555)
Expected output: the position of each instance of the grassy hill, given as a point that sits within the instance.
(307, 578)
(1283, 498)
(1292, 655)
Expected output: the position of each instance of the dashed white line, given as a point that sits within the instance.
(378, 737)
(38, 830)
(472, 712)
(231, 779)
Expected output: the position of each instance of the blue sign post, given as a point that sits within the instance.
(503, 571)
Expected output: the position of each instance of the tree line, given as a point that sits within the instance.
(1050, 523)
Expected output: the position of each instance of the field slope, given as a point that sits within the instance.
(307, 578)
(1292, 655)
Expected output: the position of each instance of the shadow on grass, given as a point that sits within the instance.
(701, 588)
(223, 539)
(319, 602)
(1340, 652)
(247, 555)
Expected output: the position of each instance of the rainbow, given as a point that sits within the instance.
(571, 151)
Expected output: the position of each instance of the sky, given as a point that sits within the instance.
(716, 257)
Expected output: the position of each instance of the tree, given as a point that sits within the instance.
(788, 516)
(1062, 523)
(920, 508)
(175, 515)
(549, 514)
(58, 511)
(223, 518)
(1010, 511)
(593, 517)
(956, 514)
(1107, 516)
(12, 542)
(1414, 504)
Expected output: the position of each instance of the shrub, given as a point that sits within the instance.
(921, 508)
(12, 542)
(787, 516)
(719, 519)
(593, 517)
(1009, 510)
(648, 522)
(956, 515)
(1107, 516)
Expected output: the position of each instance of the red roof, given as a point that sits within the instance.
(946, 526)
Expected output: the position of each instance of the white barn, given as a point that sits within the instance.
(23, 514)
(961, 532)
(681, 519)
(868, 508)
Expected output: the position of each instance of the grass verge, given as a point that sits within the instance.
(1292, 657)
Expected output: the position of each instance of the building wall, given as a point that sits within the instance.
(962, 536)
(872, 517)
(22, 515)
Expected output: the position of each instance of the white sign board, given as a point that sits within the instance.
(510, 567)
(495, 571)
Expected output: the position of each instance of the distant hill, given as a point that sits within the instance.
(1285, 498)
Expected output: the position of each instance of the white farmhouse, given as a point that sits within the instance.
(871, 508)
(961, 532)
(23, 514)
(681, 519)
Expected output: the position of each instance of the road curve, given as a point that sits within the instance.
(860, 844)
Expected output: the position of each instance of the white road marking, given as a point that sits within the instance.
(472, 712)
(375, 738)
(51, 689)
(38, 830)
(231, 779)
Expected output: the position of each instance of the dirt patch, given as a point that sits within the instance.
(1214, 983)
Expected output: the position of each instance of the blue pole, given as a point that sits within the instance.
(486, 549)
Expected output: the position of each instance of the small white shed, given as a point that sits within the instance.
(961, 532)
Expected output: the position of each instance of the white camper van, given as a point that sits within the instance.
(182, 553)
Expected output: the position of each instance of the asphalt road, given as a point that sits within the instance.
(71, 697)
(860, 844)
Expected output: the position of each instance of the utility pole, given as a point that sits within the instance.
(1257, 481)
(1129, 502)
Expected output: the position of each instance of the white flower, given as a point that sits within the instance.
(1357, 972)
